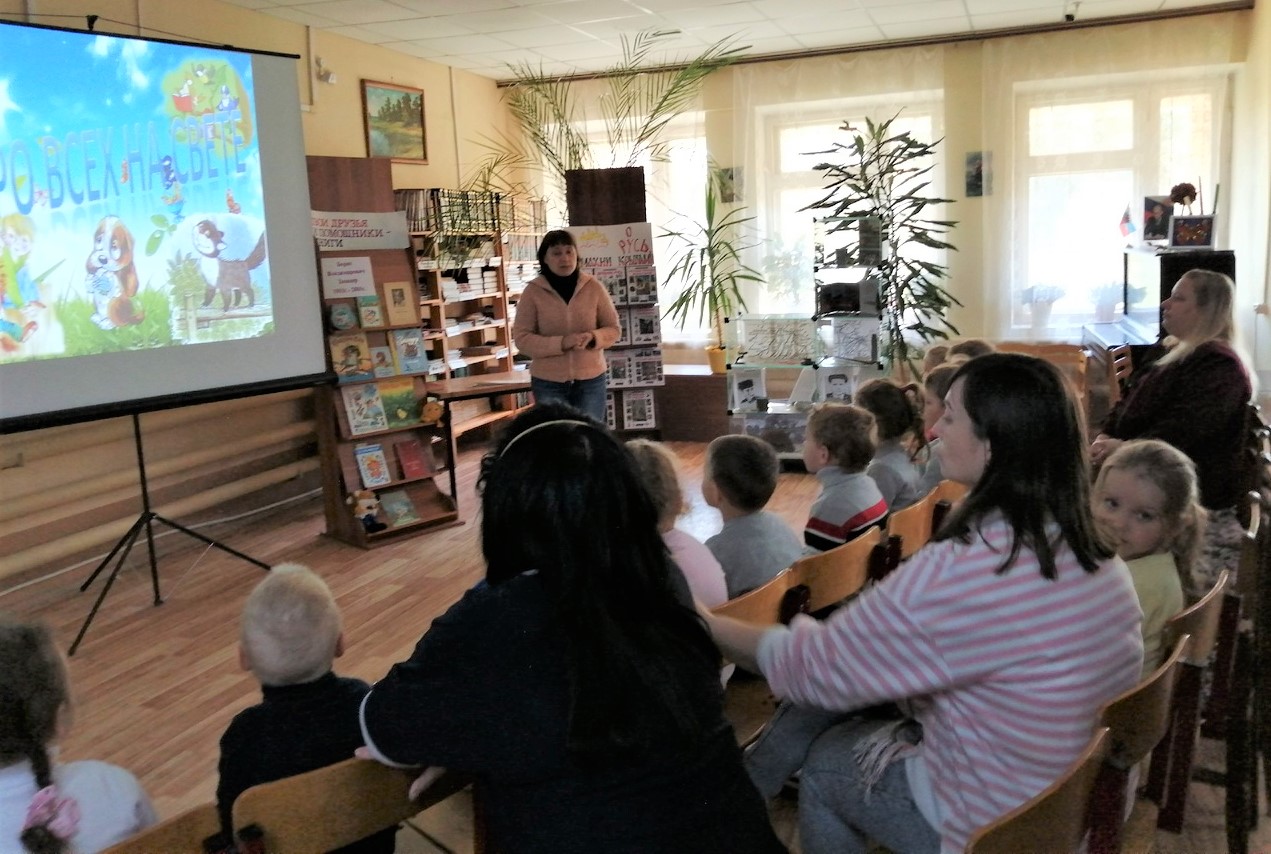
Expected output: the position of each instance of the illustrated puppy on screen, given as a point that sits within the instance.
(112, 276)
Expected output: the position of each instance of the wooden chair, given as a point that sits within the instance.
(1072, 359)
(1120, 366)
(1172, 759)
(1056, 820)
(910, 528)
(334, 806)
(1214, 718)
(1137, 722)
(833, 575)
(182, 834)
(748, 702)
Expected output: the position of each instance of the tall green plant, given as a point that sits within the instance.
(636, 106)
(883, 174)
(708, 264)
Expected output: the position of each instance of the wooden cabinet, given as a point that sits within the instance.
(376, 428)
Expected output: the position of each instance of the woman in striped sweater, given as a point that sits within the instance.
(1000, 639)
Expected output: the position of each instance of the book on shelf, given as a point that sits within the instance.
(342, 316)
(619, 369)
(401, 406)
(746, 387)
(646, 367)
(408, 346)
(414, 459)
(615, 281)
(611, 412)
(351, 357)
(370, 311)
(624, 327)
(401, 302)
(642, 285)
(373, 465)
(397, 508)
(646, 326)
(637, 409)
(364, 409)
(382, 362)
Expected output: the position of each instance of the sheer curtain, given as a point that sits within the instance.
(1083, 131)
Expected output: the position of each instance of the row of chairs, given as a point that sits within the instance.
(316, 811)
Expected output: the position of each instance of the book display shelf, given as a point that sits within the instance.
(458, 253)
(378, 429)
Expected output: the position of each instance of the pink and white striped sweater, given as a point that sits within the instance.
(1005, 672)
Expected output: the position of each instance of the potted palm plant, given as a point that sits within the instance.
(879, 177)
(709, 269)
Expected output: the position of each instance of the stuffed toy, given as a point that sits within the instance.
(365, 505)
(431, 411)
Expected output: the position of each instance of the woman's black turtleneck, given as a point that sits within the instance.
(563, 285)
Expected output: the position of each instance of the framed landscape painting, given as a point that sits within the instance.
(394, 120)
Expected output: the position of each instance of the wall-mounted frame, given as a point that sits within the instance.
(1193, 232)
(394, 120)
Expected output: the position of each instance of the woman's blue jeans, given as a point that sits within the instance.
(587, 395)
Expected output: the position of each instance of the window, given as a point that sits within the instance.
(790, 183)
(1087, 154)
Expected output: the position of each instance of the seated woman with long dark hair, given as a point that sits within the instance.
(1001, 638)
(576, 683)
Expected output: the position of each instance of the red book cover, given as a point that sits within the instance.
(413, 458)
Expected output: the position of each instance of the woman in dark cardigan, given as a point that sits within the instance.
(1192, 393)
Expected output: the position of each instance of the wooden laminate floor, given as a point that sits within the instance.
(156, 686)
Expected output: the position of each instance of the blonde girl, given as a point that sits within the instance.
(48, 807)
(1146, 502)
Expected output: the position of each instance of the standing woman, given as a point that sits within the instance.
(1194, 397)
(564, 322)
(576, 684)
(1002, 637)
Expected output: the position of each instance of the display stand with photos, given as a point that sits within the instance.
(621, 256)
(824, 356)
(378, 431)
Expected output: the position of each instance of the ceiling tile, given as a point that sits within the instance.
(357, 11)
(424, 28)
(945, 11)
(361, 34)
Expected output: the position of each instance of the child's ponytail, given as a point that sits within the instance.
(896, 410)
(1187, 542)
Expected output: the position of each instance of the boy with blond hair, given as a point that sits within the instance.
(838, 448)
(739, 477)
(308, 717)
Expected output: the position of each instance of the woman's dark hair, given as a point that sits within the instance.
(561, 496)
(558, 237)
(895, 409)
(34, 690)
(1037, 471)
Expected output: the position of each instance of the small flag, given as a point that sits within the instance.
(1127, 223)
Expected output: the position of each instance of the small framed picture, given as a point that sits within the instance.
(1157, 211)
(394, 119)
(1192, 232)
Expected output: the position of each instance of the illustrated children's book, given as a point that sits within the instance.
(413, 457)
(646, 326)
(343, 316)
(364, 409)
(351, 357)
(401, 406)
(373, 465)
(401, 303)
(637, 409)
(383, 362)
(397, 508)
(370, 311)
(408, 345)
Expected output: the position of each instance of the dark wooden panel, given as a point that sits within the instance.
(693, 405)
(605, 196)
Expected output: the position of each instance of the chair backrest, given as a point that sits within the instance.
(335, 806)
(1056, 820)
(761, 606)
(1137, 720)
(913, 524)
(1201, 621)
(833, 575)
(1071, 359)
(1120, 365)
(182, 834)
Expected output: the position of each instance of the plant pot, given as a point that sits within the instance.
(1040, 312)
(717, 358)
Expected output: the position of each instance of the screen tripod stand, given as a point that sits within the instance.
(145, 522)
